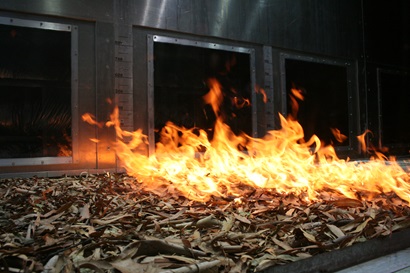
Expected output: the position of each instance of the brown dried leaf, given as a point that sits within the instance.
(228, 223)
(48, 221)
(264, 264)
(208, 221)
(347, 202)
(310, 237)
(336, 231)
(98, 266)
(401, 225)
(205, 266)
(180, 259)
(125, 213)
(59, 264)
(85, 212)
(109, 220)
(130, 266)
(361, 226)
(349, 226)
(330, 216)
(290, 212)
(283, 245)
(241, 218)
(49, 241)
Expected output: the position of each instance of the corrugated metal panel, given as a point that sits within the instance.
(317, 26)
(92, 10)
(323, 27)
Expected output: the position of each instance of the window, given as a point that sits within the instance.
(181, 69)
(394, 101)
(36, 91)
(324, 86)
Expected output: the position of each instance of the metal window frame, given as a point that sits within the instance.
(350, 87)
(74, 92)
(151, 39)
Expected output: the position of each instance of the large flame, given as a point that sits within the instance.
(229, 164)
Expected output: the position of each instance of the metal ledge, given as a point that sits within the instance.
(350, 256)
(397, 262)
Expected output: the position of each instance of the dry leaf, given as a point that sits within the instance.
(242, 219)
(128, 266)
(208, 221)
(347, 202)
(131, 228)
(309, 236)
(228, 223)
(85, 212)
(283, 245)
(361, 226)
(109, 220)
(336, 231)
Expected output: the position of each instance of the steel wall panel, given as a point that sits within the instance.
(316, 26)
(104, 69)
(324, 27)
(91, 10)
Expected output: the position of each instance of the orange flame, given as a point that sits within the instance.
(87, 117)
(338, 135)
(228, 164)
(376, 153)
(260, 90)
(215, 96)
(296, 94)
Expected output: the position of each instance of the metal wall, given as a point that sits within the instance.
(113, 58)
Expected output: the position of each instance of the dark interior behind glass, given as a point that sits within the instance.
(325, 104)
(181, 76)
(35, 92)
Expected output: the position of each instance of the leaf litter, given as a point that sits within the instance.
(110, 223)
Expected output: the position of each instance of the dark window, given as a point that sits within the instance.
(395, 109)
(35, 92)
(325, 103)
(181, 76)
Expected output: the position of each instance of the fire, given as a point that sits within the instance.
(87, 117)
(229, 164)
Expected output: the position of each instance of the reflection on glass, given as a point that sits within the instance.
(35, 92)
